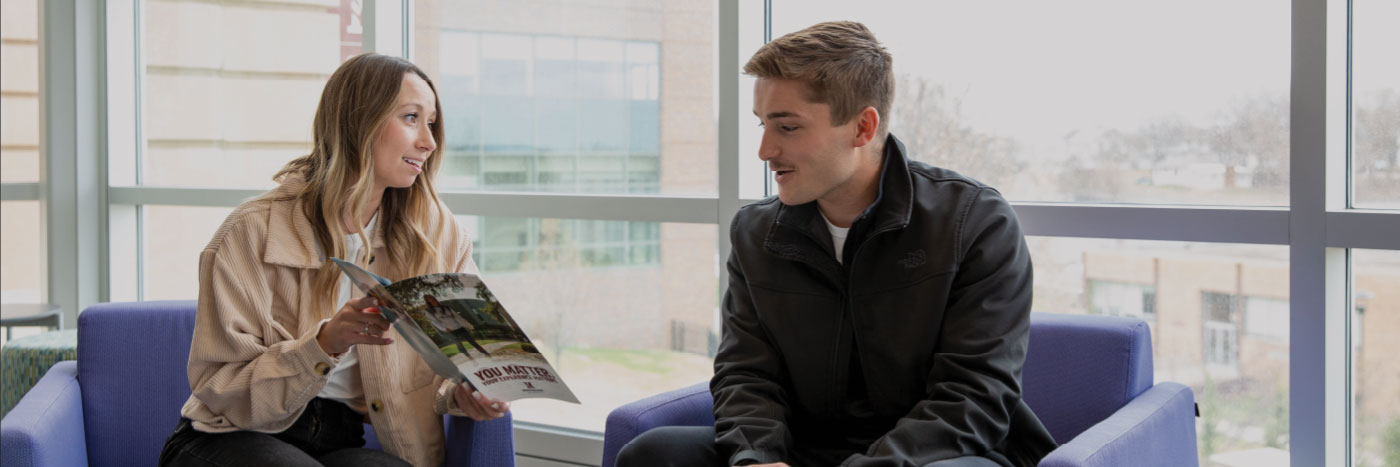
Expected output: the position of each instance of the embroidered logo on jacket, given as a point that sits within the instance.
(914, 259)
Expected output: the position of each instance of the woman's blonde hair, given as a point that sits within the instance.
(339, 174)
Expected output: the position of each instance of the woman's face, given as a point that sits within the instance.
(406, 140)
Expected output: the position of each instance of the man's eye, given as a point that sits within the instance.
(788, 128)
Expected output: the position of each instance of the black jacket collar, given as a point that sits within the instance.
(891, 210)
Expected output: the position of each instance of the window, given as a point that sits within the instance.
(1375, 105)
(22, 257)
(1239, 380)
(1119, 299)
(570, 98)
(597, 99)
(605, 302)
(1266, 317)
(1374, 370)
(1056, 103)
(520, 244)
(548, 113)
(1221, 333)
(227, 104)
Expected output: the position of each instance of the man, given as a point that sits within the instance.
(878, 309)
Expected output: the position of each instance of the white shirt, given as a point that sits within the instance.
(344, 384)
(838, 236)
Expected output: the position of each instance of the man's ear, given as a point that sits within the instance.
(867, 125)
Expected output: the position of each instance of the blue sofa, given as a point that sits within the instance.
(120, 400)
(1088, 378)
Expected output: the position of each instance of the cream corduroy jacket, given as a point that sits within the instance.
(254, 361)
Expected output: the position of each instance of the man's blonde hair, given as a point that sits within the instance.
(842, 65)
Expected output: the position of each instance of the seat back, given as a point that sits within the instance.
(1081, 368)
(132, 360)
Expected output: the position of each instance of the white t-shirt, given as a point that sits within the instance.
(838, 236)
(344, 383)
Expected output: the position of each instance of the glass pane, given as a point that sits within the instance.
(225, 103)
(1375, 83)
(19, 91)
(606, 301)
(173, 237)
(1218, 315)
(1375, 372)
(578, 97)
(1088, 100)
(21, 252)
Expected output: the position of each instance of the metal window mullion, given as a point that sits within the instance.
(71, 132)
(727, 137)
(1317, 274)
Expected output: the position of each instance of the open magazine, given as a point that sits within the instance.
(464, 334)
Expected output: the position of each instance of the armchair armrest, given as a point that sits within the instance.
(471, 443)
(1158, 424)
(46, 427)
(688, 406)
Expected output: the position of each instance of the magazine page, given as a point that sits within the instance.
(408, 329)
(464, 334)
(468, 325)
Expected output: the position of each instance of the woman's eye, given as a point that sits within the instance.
(412, 118)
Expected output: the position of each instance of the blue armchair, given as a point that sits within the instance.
(1088, 378)
(120, 400)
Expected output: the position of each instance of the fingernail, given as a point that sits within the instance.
(496, 406)
(477, 394)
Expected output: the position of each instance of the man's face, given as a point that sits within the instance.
(811, 158)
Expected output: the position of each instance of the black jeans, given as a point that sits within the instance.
(328, 433)
(694, 446)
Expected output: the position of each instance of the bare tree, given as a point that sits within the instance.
(931, 124)
(1376, 143)
(1253, 128)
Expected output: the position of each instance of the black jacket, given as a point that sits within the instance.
(909, 353)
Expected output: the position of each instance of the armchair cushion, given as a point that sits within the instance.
(46, 427)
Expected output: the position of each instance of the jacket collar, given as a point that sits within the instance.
(291, 241)
(891, 209)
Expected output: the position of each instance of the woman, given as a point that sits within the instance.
(457, 328)
(278, 374)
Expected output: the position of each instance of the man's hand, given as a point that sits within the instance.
(357, 322)
(477, 406)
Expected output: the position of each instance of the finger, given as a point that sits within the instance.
(470, 407)
(359, 303)
(373, 318)
(495, 407)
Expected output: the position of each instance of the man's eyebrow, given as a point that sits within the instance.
(773, 115)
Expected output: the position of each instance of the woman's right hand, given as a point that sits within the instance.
(357, 322)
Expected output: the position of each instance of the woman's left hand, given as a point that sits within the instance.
(477, 406)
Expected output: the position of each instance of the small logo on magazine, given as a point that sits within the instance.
(530, 387)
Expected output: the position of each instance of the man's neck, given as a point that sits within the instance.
(844, 204)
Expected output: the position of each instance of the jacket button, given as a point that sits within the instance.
(323, 369)
(376, 405)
